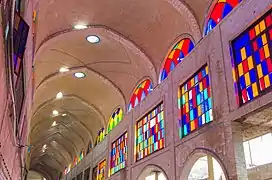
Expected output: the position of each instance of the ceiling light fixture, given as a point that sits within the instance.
(63, 69)
(80, 26)
(93, 39)
(59, 95)
(54, 123)
(79, 75)
(55, 112)
(64, 114)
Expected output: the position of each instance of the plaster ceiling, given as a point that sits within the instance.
(135, 37)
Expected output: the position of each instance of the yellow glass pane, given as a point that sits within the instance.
(257, 29)
(243, 53)
(255, 90)
(171, 55)
(207, 70)
(262, 26)
(267, 81)
(200, 86)
(247, 78)
(180, 44)
(250, 62)
(260, 71)
(192, 125)
(234, 75)
(192, 82)
(266, 51)
(240, 70)
(264, 39)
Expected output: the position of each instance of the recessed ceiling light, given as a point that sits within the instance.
(54, 123)
(64, 114)
(80, 26)
(93, 39)
(59, 95)
(79, 75)
(55, 112)
(63, 69)
(44, 146)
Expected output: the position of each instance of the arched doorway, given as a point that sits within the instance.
(203, 164)
(206, 168)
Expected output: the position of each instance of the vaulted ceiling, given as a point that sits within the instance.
(135, 37)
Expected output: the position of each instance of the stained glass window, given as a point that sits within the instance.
(252, 64)
(94, 174)
(116, 117)
(179, 51)
(90, 146)
(101, 170)
(100, 136)
(118, 154)
(80, 157)
(195, 102)
(20, 31)
(149, 133)
(142, 90)
(218, 12)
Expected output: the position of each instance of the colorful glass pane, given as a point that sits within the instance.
(116, 117)
(118, 154)
(149, 133)
(179, 51)
(101, 136)
(252, 64)
(142, 90)
(219, 11)
(101, 170)
(195, 102)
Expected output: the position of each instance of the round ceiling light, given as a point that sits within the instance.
(54, 123)
(79, 75)
(55, 113)
(93, 39)
(59, 95)
(63, 69)
(80, 26)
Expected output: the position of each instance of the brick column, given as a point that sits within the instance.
(239, 151)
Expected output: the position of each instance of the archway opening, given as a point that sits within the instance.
(206, 168)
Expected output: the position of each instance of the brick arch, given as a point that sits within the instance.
(194, 156)
(149, 169)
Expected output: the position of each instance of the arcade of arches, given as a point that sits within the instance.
(136, 90)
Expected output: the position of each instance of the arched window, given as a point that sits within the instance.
(218, 12)
(116, 117)
(81, 155)
(176, 55)
(205, 167)
(100, 136)
(142, 90)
